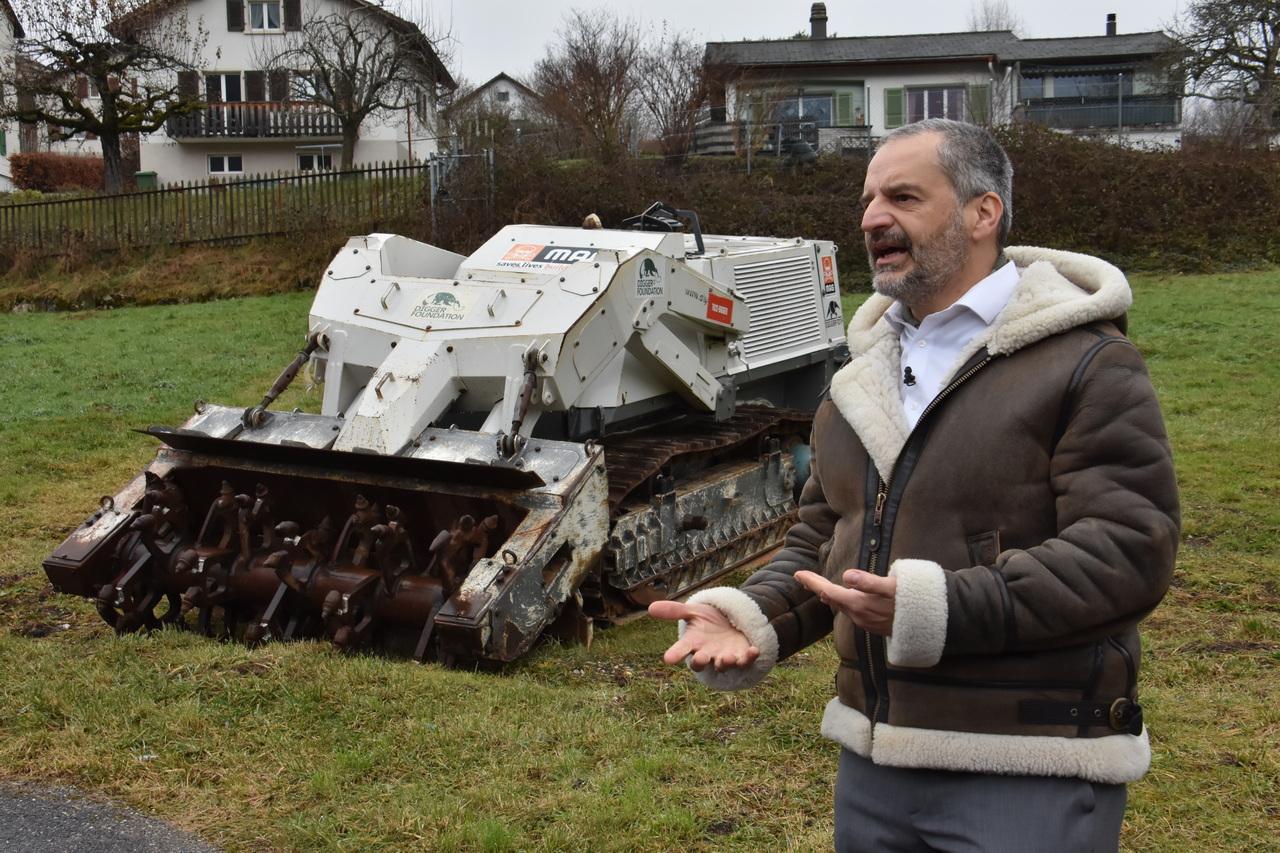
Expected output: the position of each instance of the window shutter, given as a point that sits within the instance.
(844, 109)
(293, 15)
(255, 86)
(892, 108)
(213, 88)
(188, 85)
(235, 16)
(278, 85)
(979, 104)
(82, 87)
(4, 147)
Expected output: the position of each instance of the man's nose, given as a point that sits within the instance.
(875, 217)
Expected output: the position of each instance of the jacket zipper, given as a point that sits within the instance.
(882, 496)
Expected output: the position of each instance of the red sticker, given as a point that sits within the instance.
(719, 309)
(828, 270)
(523, 252)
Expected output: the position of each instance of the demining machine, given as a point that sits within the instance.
(543, 437)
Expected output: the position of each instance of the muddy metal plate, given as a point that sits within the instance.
(550, 461)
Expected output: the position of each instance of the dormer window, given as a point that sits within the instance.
(264, 16)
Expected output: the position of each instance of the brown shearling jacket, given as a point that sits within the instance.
(1031, 521)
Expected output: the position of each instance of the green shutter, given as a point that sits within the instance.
(3, 139)
(892, 108)
(979, 103)
(844, 109)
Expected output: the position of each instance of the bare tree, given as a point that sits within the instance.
(1232, 53)
(988, 15)
(362, 63)
(102, 67)
(672, 85)
(588, 82)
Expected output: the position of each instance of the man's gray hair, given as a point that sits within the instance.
(972, 160)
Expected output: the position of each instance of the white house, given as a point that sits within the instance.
(850, 90)
(499, 105)
(253, 123)
(10, 32)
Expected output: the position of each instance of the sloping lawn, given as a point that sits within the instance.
(298, 747)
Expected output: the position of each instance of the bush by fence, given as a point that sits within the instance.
(1202, 208)
(49, 172)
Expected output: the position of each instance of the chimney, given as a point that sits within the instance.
(1111, 23)
(818, 21)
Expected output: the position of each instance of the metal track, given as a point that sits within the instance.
(633, 459)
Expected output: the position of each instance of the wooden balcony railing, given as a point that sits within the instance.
(252, 119)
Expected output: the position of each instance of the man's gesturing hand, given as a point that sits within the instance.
(865, 598)
(709, 637)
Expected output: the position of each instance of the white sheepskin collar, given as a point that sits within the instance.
(1056, 291)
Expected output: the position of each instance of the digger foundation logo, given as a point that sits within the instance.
(441, 305)
(536, 256)
(648, 279)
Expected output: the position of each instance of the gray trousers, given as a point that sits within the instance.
(885, 809)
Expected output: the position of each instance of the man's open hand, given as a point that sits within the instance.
(709, 637)
(865, 598)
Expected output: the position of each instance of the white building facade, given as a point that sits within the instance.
(850, 91)
(253, 123)
(10, 32)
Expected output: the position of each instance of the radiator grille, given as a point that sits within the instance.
(783, 301)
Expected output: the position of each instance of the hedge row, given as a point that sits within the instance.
(1202, 208)
(49, 172)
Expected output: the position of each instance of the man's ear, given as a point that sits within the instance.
(987, 209)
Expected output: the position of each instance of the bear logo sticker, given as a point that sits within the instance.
(648, 279)
(441, 305)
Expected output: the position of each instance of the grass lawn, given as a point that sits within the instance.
(297, 747)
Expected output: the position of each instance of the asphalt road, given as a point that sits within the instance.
(39, 819)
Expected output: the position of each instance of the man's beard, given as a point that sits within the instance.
(937, 258)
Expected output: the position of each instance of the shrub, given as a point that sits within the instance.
(1203, 208)
(49, 172)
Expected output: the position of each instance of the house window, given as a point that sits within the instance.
(815, 107)
(315, 162)
(502, 97)
(936, 102)
(264, 15)
(1092, 85)
(222, 88)
(226, 164)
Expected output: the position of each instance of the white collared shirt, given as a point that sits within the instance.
(930, 350)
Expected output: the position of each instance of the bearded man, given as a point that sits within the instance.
(991, 511)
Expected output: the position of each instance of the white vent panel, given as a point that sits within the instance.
(783, 298)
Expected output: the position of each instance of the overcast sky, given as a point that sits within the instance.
(511, 35)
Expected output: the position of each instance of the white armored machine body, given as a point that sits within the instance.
(549, 433)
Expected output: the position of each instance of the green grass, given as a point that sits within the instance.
(297, 747)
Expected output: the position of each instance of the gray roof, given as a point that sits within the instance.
(1091, 47)
(1003, 45)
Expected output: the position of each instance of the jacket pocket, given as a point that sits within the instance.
(983, 548)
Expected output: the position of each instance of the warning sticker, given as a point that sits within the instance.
(833, 315)
(828, 270)
(539, 256)
(442, 305)
(648, 279)
(719, 309)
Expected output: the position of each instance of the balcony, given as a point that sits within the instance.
(1104, 113)
(256, 120)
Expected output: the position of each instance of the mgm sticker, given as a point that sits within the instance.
(441, 305)
(648, 279)
(535, 256)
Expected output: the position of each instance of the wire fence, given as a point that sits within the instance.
(223, 211)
